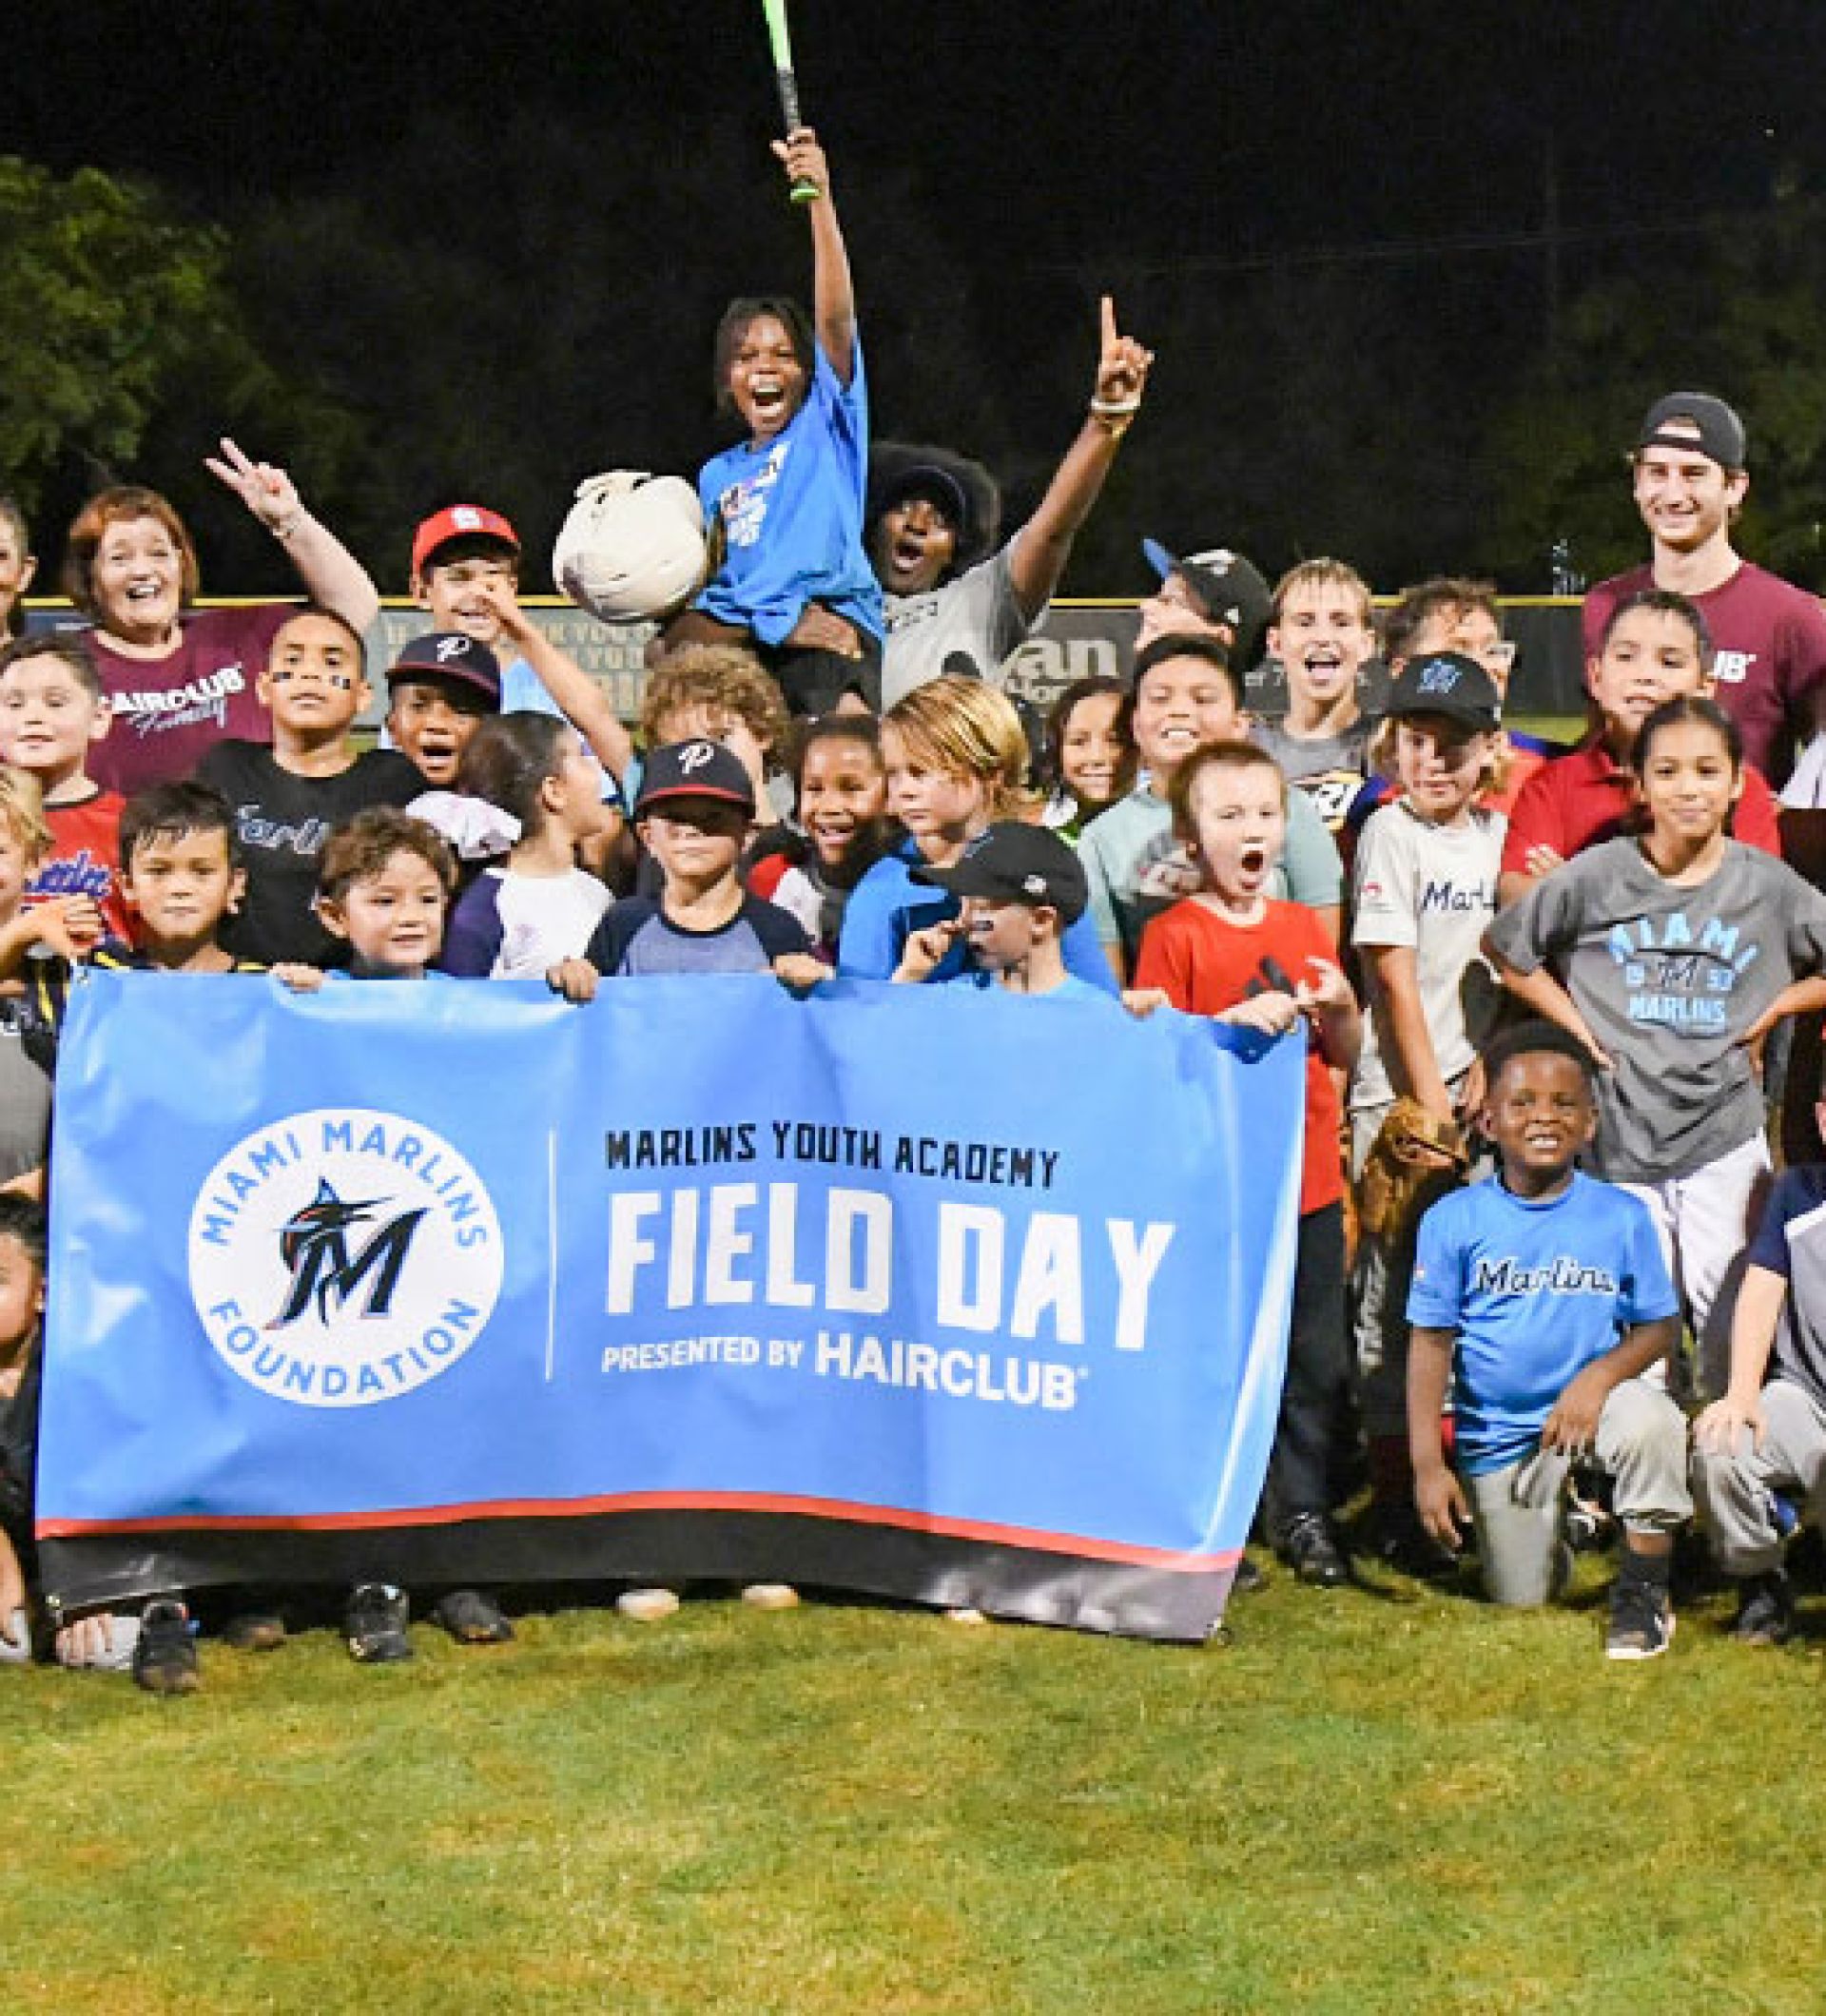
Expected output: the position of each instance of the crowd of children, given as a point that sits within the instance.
(1535, 986)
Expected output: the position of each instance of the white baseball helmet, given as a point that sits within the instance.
(632, 547)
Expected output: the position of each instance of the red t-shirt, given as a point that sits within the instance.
(168, 710)
(1206, 964)
(1587, 797)
(85, 858)
(1770, 639)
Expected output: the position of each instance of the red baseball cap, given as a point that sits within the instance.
(459, 522)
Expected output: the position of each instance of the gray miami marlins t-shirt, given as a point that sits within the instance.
(1668, 979)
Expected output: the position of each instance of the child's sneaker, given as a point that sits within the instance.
(1309, 1546)
(770, 1596)
(254, 1631)
(1642, 1621)
(472, 1618)
(15, 1641)
(375, 1623)
(1765, 1610)
(164, 1653)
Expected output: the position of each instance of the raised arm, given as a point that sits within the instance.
(1043, 545)
(833, 299)
(581, 700)
(329, 570)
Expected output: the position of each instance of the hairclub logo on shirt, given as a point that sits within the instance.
(342, 1257)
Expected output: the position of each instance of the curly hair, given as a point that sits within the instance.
(717, 680)
(361, 849)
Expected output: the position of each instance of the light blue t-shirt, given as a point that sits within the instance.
(888, 906)
(791, 515)
(1536, 1292)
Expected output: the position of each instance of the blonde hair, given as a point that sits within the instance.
(715, 679)
(970, 728)
(22, 811)
(1323, 574)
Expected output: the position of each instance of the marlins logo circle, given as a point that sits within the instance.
(344, 1256)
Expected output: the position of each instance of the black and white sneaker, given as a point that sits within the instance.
(374, 1624)
(164, 1654)
(1309, 1546)
(1642, 1621)
(1765, 1610)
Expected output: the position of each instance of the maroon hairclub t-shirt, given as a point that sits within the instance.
(1770, 638)
(169, 711)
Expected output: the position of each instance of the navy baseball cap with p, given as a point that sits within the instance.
(1014, 863)
(701, 768)
(452, 658)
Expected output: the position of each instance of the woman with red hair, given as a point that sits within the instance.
(180, 679)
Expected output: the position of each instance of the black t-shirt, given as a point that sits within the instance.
(284, 821)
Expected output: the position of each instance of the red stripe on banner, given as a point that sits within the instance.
(662, 1501)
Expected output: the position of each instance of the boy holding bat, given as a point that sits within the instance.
(791, 579)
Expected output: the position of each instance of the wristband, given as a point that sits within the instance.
(1104, 408)
(284, 531)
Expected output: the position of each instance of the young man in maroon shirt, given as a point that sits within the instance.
(1769, 636)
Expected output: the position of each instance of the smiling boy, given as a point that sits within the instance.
(1539, 1299)
(1690, 479)
(1655, 646)
(1322, 631)
(287, 798)
(52, 714)
(1186, 695)
(466, 576)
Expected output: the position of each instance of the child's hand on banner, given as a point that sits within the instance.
(800, 971)
(576, 978)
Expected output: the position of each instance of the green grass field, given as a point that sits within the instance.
(1378, 1800)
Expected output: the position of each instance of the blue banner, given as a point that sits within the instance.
(945, 1295)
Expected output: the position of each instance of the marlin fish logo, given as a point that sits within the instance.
(314, 1243)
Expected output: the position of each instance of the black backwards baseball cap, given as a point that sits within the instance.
(1696, 420)
(449, 654)
(1014, 863)
(1447, 683)
(1229, 586)
(693, 770)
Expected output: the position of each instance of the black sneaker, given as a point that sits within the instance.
(1765, 1610)
(472, 1618)
(374, 1624)
(1309, 1546)
(164, 1654)
(1642, 1621)
(1405, 1545)
(255, 1631)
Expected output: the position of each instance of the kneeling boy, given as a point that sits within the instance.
(1763, 1445)
(1541, 1298)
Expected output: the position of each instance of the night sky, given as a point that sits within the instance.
(1172, 152)
(1052, 132)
